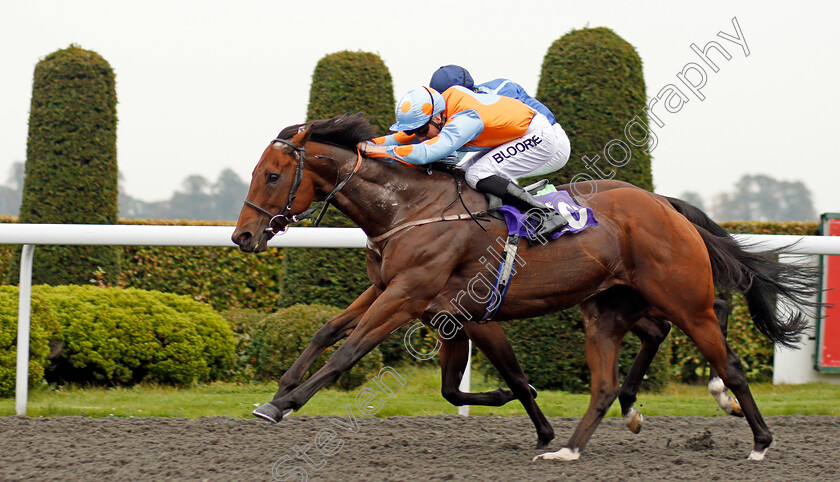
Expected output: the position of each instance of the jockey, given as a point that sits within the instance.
(510, 140)
(449, 75)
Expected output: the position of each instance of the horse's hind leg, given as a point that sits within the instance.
(606, 318)
(491, 340)
(326, 336)
(453, 361)
(707, 336)
(716, 386)
(651, 333)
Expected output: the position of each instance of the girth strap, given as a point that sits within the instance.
(450, 217)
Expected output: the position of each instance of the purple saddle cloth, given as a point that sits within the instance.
(579, 217)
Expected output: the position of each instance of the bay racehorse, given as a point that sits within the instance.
(648, 262)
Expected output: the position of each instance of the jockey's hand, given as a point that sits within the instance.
(366, 148)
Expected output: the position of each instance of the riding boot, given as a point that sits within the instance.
(544, 219)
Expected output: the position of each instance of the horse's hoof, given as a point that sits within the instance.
(533, 390)
(544, 440)
(736, 408)
(634, 420)
(563, 454)
(271, 413)
(757, 454)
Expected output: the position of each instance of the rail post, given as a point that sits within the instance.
(24, 310)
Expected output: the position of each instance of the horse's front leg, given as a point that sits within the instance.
(606, 319)
(326, 336)
(395, 307)
(454, 354)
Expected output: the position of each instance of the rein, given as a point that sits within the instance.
(300, 153)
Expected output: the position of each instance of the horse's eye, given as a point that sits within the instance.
(272, 177)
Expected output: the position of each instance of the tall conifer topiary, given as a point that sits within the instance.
(343, 82)
(350, 82)
(592, 81)
(71, 167)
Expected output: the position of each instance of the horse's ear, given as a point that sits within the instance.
(302, 136)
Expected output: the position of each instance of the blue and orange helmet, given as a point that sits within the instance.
(417, 107)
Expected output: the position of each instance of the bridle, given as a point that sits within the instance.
(285, 213)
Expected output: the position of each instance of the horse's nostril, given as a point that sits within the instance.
(242, 239)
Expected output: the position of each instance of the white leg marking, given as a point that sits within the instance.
(634, 420)
(757, 455)
(563, 454)
(718, 390)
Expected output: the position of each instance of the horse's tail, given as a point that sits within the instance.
(761, 279)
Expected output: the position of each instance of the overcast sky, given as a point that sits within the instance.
(204, 85)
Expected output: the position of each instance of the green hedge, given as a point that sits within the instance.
(334, 277)
(222, 277)
(592, 81)
(277, 341)
(118, 336)
(71, 167)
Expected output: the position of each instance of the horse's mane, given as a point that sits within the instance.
(345, 130)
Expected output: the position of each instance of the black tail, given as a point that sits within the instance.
(761, 279)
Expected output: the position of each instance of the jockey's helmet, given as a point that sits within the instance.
(449, 75)
(417, 107)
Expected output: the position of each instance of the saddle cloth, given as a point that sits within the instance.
(578, 217)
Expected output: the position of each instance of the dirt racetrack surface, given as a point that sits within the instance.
(408, 448)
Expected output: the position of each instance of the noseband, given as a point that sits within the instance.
(285, 213)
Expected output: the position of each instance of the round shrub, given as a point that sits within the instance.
(123, 336)
(281, 337)
(42, 326)
(243, 321)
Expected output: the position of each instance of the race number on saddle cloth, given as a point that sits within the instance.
(519, 226)
(578, 217)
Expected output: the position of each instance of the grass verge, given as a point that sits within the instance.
(419, 396)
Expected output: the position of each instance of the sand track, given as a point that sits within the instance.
(408, 448)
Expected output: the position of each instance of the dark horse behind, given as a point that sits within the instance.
(647, 263)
